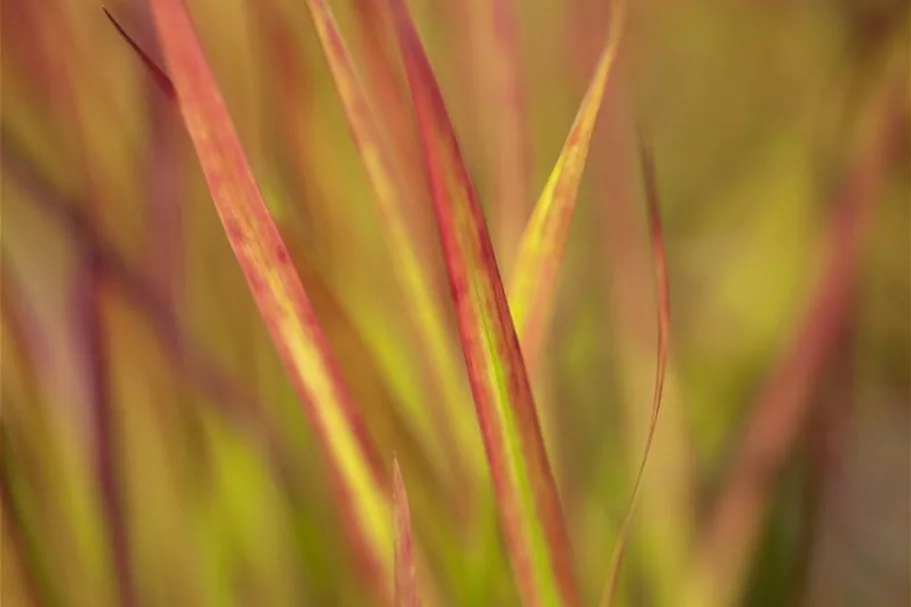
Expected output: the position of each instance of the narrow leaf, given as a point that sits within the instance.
(785, 402)
(493, 68)
(158, 75)
(406, 585)
(533, 286)
(356, 470)
(412, 274)
(526, 495)
(664, 321)
(384, 81)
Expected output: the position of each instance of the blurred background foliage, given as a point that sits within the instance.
(154, 452)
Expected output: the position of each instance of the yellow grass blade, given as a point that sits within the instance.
(406, 585)
(534, 277)
(356, 470)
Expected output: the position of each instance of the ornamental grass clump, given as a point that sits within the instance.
(368, 302)
(500, 333)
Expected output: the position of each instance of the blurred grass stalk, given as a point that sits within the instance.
(782, 407)
(413, 161)
(667, 503)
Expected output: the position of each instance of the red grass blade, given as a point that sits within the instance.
(784, 403)
(529, 507)
(406, 585)
(664, 321)
(356, 471)
(158, 74)
(390, 196)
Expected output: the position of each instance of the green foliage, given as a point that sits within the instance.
(178, 432)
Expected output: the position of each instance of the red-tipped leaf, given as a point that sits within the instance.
(355, 469)
(662, 289)
(527, 499)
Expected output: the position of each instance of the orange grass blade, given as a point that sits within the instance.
(529, 506)
(406, 585)
(389, 191)
(534, 277)
(664, 322)
(356, 471)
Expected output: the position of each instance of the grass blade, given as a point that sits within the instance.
(356, 470)
(509, 111)
(529, 507)
(493, 66)
(784, 403)
(406, 585)
(384, 80)
(534, 277)
(384, 177)
(158, 74)
(664, 322)
(89, 304)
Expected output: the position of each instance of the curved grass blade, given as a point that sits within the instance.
(526, 495)
(664, 322)
(384, 177)
(406, 585)
(534, 277)
(356, 470)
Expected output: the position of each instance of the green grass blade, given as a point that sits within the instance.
(526, 495)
